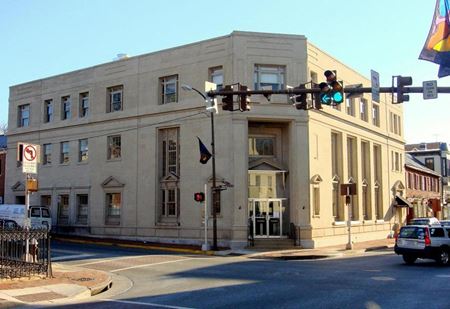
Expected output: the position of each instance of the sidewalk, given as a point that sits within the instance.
(77, 283)
(67, 283)
(359, 249)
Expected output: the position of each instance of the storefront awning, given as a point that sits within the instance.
(402, 202)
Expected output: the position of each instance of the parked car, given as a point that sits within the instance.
(6, 224)
(445, 222)
(425, 221)
(39, 215)
(424, 242)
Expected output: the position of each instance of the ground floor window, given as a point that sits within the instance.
(169, 202)
(113, 208)
(82, 208)
(63, 209)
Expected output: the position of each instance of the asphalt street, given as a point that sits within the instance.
(152, 279)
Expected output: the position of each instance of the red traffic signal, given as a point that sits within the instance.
(199, 196)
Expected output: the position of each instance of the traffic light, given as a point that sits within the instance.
(227, 101)
(244, 100)
(199, 196)
(300, 100)
(403, 81)
(325, 95)
(336, 91)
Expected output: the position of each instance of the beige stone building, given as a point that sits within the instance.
(120, 156)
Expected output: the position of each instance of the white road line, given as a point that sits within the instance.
(115, 259)
(74, 256)
(144, 304)
(151, 264)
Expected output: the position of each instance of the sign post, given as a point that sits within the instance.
(205, 246)
(349, 189)
(28, 154)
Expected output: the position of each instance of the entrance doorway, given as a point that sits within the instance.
(266, 215)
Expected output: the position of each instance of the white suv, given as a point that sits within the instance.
(425, 221)
(425, 242)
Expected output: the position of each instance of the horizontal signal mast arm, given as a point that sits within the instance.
(293, 91)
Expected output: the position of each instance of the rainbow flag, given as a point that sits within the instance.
(437, 45)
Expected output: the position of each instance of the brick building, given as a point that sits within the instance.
(423, 190)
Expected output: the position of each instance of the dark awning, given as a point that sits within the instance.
(402, 202)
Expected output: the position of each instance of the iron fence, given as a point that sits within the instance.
(16, 261)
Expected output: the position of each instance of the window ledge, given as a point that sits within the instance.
(339, 223)
(114, 160)
(64, 164)
(368, 222)
(82, 163)
(380, 221)
(168, 224)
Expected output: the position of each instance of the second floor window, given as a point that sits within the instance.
(23, 115)
(47, 154)
(114, 147)
(169, 151)
(83, 150)
(350, 107)
(261, 146)
(64, 156)
(216, 76)
(48, 117)
(169, 89)
(272, 76)
(65, 108)
(115, 99)
(84, 104)
(363, 109)
(376, 115)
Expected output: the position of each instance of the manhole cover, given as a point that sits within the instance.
(83, 279)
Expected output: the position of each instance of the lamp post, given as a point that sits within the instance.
(213, 154)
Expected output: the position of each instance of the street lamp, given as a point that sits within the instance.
(213, 154)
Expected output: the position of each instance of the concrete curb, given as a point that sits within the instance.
(101, 287)
(135, 246)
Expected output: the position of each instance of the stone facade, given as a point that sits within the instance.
(279, 165)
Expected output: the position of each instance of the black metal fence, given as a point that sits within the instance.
(16, 261)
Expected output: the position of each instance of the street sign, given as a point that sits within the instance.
(430, 90)
(375, 79)
(30, 158)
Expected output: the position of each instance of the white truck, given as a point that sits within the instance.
(39, 215)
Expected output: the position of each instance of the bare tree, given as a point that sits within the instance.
(3, 128)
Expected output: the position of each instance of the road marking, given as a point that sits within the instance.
(117, 258)
(443, 276)
(151, 264)
(144, 304)
(74, 256)
(383, 278)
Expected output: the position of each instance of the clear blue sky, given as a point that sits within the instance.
(42, 38)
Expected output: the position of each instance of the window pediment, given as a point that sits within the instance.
(112, 182)
(316, 179)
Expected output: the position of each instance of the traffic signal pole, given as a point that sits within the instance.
(296, 91)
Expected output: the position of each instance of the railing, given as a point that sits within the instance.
(16, 261)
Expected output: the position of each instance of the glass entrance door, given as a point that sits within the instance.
(266, 217)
